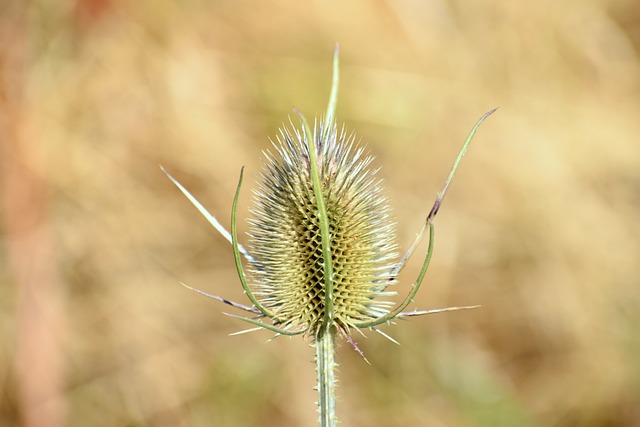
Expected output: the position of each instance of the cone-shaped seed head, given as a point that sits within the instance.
(288, 274)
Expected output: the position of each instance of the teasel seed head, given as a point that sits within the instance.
(322, 248)
(288, 274)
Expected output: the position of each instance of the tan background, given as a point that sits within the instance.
(541, 226)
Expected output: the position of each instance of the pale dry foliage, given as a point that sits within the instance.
(540, 227)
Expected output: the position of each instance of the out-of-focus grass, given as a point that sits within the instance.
(540, 226)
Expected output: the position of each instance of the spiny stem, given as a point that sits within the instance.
(326, 366)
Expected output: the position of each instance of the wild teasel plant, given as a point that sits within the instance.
(322, 251)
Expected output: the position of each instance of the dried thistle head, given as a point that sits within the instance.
(322, 249)
(286, 236)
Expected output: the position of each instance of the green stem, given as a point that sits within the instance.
(326, 366)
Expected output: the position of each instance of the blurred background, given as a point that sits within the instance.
(540, 226)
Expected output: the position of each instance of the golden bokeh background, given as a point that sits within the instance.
(540, 226)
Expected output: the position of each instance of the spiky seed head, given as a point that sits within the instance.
(285, 237)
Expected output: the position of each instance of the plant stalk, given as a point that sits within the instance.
(326, 367)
